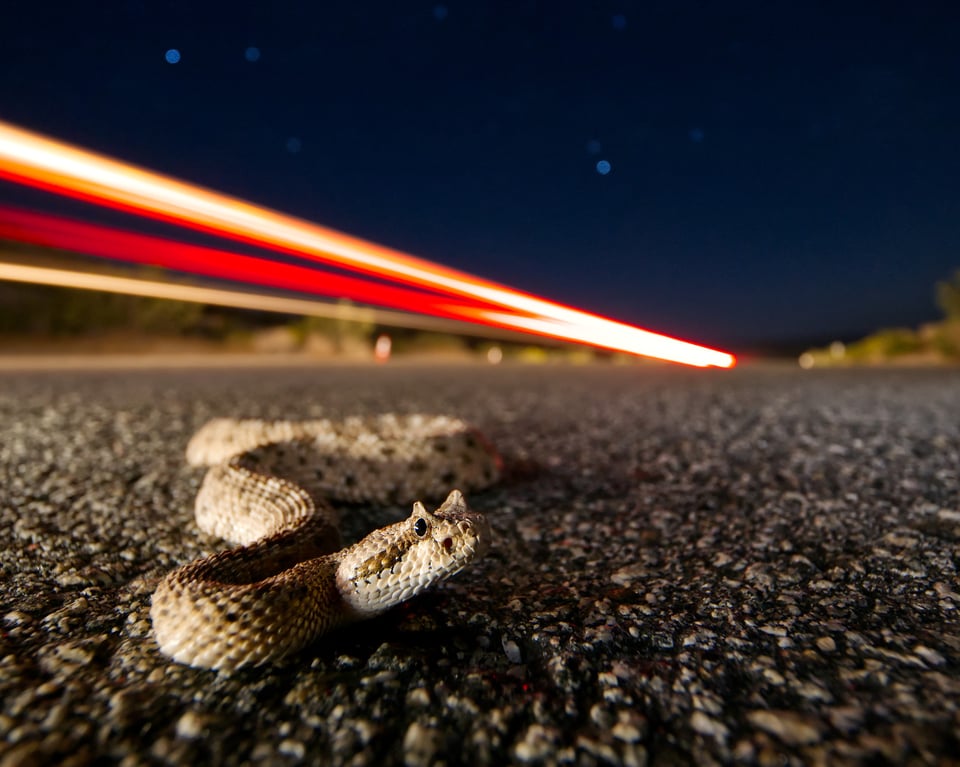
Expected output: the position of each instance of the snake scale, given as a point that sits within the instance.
(268, 488)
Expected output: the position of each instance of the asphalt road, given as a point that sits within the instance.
(756, 566)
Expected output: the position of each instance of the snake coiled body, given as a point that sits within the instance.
(269, 488)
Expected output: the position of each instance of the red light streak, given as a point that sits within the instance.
(80, 280)
(103, 242)
(37, 161)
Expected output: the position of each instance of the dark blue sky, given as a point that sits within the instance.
(778, 170)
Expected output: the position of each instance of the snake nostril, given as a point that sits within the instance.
(447, 544)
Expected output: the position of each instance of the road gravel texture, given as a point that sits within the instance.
(756, 566)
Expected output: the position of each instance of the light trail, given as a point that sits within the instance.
(640, 342)
(118, 245)
(34, 160)
(103, 242)
(238, 299)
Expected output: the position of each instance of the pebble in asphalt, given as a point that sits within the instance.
(757, 566)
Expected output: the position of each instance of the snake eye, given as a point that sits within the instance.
(420, 527)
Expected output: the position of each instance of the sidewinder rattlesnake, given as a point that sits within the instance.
(289, 582)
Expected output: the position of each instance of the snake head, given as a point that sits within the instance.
(397, 562)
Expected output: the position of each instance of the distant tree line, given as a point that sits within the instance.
(948, 297)
(62, 312)
(931, 343)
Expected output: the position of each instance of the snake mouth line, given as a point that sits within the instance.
(476, 550)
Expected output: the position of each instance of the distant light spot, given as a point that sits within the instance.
(696, 135)
(172, 56)
(619, 21)
(593, 146)
(440, 12)
(381, 350)
(294, 145)
(252, 54)
(806, 360)
(603, 167)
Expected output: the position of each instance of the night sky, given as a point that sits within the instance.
(736, 173)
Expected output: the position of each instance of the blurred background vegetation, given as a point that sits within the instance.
(44, 319)
(40, 311)
(930, 344)
(38, 318)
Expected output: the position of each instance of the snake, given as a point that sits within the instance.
(276, 490)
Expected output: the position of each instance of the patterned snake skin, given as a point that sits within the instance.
(290, 582)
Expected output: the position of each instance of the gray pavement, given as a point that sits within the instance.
(757, 566)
